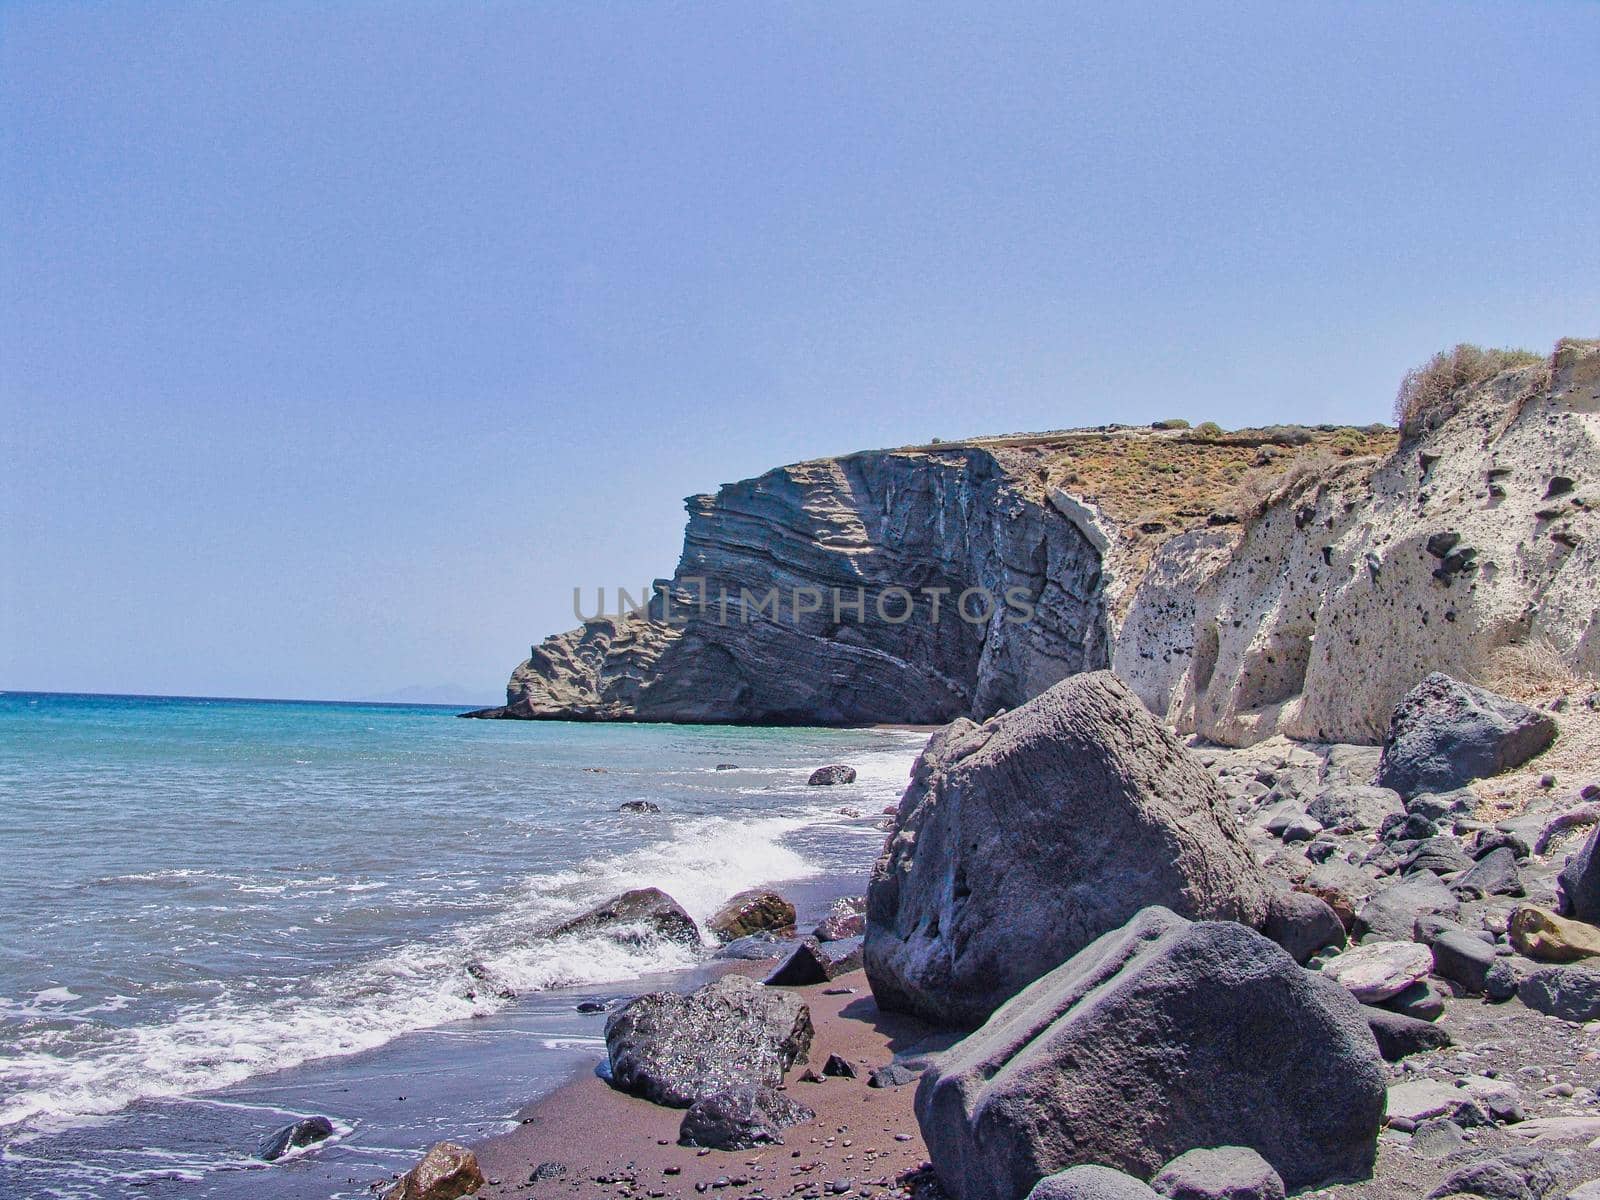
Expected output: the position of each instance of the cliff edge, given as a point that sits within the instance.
(1281, 580)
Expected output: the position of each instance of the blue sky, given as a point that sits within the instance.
(339, 342)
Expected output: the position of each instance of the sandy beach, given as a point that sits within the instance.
(864, 1140)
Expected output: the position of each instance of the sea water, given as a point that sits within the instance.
(219, 915)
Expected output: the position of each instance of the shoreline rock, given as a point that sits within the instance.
(673, 1049)
(755, 910)
(1024, 839)
(647, 908)
(1161, 1036)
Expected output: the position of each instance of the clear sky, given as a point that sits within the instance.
(339, 342)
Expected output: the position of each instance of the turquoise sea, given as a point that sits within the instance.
(216, 915)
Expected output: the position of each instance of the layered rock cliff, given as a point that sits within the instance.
(1245, 584)
(789, 603)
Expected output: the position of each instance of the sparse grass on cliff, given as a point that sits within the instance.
(1163, 485)
(1431, 394)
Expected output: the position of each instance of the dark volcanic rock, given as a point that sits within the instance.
(1226, 1173)
(639, 806)
(1022, 840)
(1524, 1174)
(806, 964)
(1571, 993)
(1090, 1182)
(1348, 808)
(1441, 855)
(1157, 1038)
(674, 1049)
(752, 911)
(1421, 1002)
(304, 1132)
(642, 912)
(829, 776)
(1578, 885)
(1463, 959)
(1494, 874)
(893, 1075)
(1399, 1035)
(755, 947)
(1444, 734)
(741, 1118)
(839, 1068)
(1501, 982)
(1302, 924)
(1437, 806)
(1392, 913)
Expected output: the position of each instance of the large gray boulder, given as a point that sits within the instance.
(1158, 1038)
(733, 1032)
(1444, 734)
(1571, 993)
(1302, 924)
(1021, 840)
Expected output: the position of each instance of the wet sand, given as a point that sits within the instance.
(864, 1140)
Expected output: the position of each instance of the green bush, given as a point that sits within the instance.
(1170, 423)
(1208, 429)
(1430, 395)
(1288, 435)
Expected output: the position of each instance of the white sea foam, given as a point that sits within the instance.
(242, 1033)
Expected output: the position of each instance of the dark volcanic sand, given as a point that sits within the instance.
(615, 1145)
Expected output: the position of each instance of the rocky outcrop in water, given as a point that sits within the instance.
(1304, 597)
(636, 914)
(305, 1132)
(756, 910)
(789, 603)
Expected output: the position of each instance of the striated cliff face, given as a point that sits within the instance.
(1243, 584)
(795, 551)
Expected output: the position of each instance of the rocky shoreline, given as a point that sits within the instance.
(1348, 971)
(1181, 927)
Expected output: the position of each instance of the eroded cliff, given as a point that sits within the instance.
(1245, 584)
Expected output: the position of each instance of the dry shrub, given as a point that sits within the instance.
(1260, 490)
(1431, 394)
(1529, 670)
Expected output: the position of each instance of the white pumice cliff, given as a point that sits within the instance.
(1316, 618)
(1244, 585)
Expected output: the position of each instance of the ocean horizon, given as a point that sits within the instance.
(221, 914)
